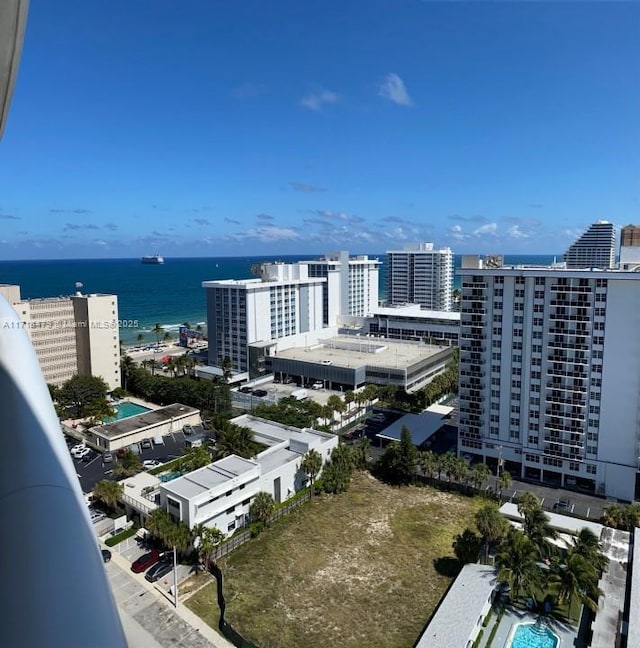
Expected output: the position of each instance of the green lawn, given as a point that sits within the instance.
(365, 568)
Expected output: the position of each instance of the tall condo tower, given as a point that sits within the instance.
(550, 374)
(596, 248)
(420, 274)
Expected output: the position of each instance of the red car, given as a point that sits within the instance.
(145, 561)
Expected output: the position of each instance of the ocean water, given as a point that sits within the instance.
(167, 294)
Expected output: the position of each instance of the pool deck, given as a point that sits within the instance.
(511, 617)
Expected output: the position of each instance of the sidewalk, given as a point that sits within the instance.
(146, 612)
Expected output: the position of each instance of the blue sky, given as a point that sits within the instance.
(227, 128)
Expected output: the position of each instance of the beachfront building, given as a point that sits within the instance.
(349, 362)
(221, 493)
(421, 274)
(284, 301)
(550, 374)
(630, 247)
(596, 248)
(351, 287)
(71, 335)
(290, 304)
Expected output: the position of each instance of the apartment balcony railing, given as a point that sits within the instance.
(554, 344)
(569, 332)
(572, 289)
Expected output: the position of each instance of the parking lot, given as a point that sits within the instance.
(92, 471)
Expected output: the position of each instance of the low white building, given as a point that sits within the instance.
(220, 494)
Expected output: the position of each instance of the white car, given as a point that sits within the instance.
(80, 453)
(150, 463)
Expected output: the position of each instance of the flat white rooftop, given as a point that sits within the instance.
(251, 284)
(353, 351)
(455, 619)
(271, 459)
(270, 433)
(210, 477)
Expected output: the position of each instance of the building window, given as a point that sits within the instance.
(591, 469)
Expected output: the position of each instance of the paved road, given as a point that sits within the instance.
(149, 620)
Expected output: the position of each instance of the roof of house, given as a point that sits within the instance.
(270, 433)
(142, 421)
(560, 522)
(457, 616)
(210, 477)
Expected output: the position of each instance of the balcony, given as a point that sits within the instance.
(569, 332)
(571, 289)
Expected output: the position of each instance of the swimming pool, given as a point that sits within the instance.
(126, 409)
(533, 635)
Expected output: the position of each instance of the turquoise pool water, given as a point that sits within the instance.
(125, 409)
(534, 636)
(165, 477)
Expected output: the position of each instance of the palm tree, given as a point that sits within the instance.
(140, 337)
(262, 507)
(526, 503)
(227, 369)
(537, 528)
(311, 464)
(480, 472)
(327, 415)
(157, 330)
(460, 469)
(577, 577)
(492, 526)
(167, 336)
(153, 364)
(127, 366)
(336, 404)
(233, 439)
(427, 463)
(587, 545)
(208, 539)
(108, 492)
(518, 564)
(504, 482)
(362, 452)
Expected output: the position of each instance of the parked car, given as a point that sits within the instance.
(107, 457)
(146, 444)
(96, 516)
(288, 380)
(158, 571)
(80, 453)
(106, 555)
(89, 456)
(206, 424)
(187, 429)
(147, 464)
(260, 392)
(245, 390)
(317, 385)
(562, 505)
(145, 561)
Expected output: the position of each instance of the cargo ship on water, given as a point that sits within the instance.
(154, 259)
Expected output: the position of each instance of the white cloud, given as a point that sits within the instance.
(394, 89)
(516, 233)
(269, 234)
(456, 228)
(489, 228)
(101, 243)
(318, 99)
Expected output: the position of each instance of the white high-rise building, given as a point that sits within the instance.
(550, 374)
(250, 319)
(71, 335)
(596, 248)
(352, 284)
(420, 274)
(246, 317)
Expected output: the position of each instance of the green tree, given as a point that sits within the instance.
(158, 331)
(427, 463)
(480, 472)
(108, 492)
(336, 475)
(527, 502)
(467, 546)
(79, 393)
(53, 391)
(127, 366)
(99, 410)
(311, 465)
(576, 577)
(234, 439)
(504, 482)
(587, 545)
(140, 337)
(262, 507)
(130, 464)
(407, 457)
(195, 458)
(210, 538)
(227, 369)
(460, 469)
(538, 530)
(517, 563)
(492, 526)
(362, 453)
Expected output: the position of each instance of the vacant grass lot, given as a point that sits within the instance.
(351, 570)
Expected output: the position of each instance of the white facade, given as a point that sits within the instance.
(550, 374)
(420, 274)
(221, 493)
(71, 335)
(596, 248)
(283, 302)
(247, 318)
